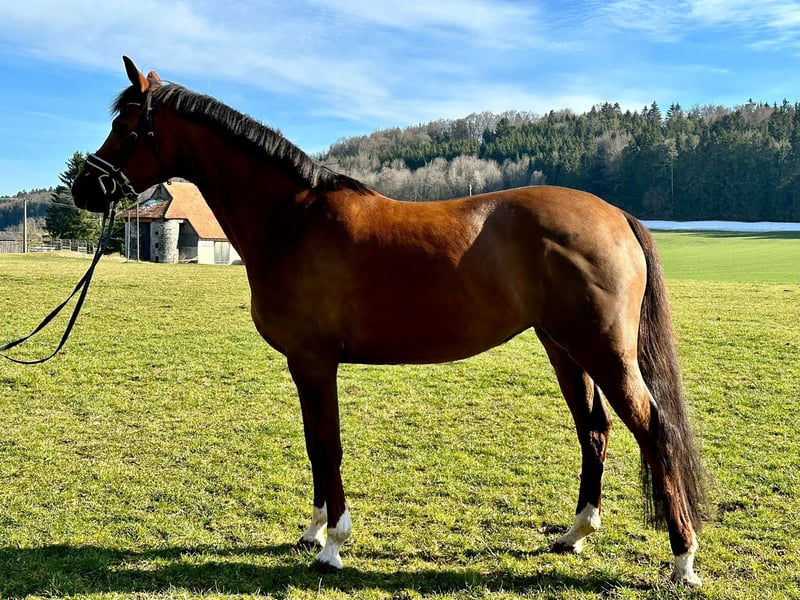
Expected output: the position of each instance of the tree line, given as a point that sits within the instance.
(51, 211)
(11, 207)
(709, 162)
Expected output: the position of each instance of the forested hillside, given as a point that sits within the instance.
(11, 207)
(705, 163)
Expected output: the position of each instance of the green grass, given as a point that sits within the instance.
(725, 256)
(161, 454)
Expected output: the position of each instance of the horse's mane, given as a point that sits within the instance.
(242, 128)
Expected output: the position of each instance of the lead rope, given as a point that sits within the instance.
(106, 229)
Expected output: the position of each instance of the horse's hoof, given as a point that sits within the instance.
(308, 545)
(566, 547)
(329, 560)
(689, 579)
(325, 567)
(683, 570)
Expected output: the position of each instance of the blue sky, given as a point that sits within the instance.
(320, 70)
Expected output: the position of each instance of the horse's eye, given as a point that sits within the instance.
(119, 127)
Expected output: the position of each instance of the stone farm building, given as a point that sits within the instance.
(174, 224)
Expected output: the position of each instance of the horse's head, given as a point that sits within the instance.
(130, 159)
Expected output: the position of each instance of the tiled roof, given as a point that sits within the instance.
(183, 201)
(151, 211)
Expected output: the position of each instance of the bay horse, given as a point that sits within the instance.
(339, 273)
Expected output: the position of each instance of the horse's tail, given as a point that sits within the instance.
(658, 362)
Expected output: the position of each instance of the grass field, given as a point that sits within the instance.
(161, 454)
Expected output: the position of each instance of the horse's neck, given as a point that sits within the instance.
(248, 193)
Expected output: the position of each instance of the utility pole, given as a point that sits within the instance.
(24, 225)
(128, 239)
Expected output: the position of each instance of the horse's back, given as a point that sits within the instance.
(429, 282)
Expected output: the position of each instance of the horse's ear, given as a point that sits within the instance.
(154, 79)
(135, 75)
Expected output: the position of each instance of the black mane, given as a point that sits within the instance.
(243, 128)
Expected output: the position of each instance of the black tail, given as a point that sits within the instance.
(658, 362)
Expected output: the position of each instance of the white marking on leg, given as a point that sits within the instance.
(336, 537)
(587, 521)
(315, 534)
(683, 571)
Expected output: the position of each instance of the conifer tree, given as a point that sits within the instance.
(64, 220)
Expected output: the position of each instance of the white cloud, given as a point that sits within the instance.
(397, 61)
(766, 22)
(248, 37)
(661, 21)
(389, 61)
(770, 25)
(772, 13)
(482, 16)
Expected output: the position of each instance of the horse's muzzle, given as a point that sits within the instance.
(100, 184)
(89, 192)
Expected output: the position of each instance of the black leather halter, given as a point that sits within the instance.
(112, 179)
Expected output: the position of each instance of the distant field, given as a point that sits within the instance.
(161, 454)
(740, 257)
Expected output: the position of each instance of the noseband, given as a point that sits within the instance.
(111, 179)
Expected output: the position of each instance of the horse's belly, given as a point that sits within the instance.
(430, 337)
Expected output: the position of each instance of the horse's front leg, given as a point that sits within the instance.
(593, 425)
(316, 385)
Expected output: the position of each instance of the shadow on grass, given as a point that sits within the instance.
(77, 570)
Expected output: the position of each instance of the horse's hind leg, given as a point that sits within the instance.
(593, 425)
(626, 391)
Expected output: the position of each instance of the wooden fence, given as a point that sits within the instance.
(10, 247)
(47, 245)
